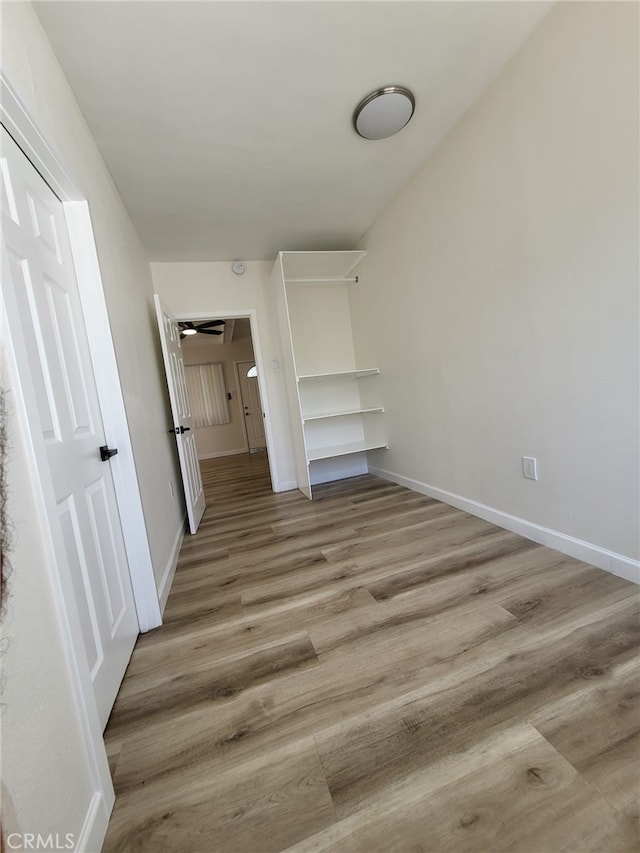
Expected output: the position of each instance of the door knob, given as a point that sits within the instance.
(107, 452)
(179, 430)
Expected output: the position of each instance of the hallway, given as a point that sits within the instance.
(375, 671)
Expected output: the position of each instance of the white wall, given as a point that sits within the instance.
(500, 292)
(33, 70)
(320, 323)
(203, 289)
(228, 438)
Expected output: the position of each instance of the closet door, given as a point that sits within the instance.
(49, 339)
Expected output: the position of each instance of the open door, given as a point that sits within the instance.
(181, 413)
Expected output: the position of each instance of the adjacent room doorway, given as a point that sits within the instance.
(226, 420)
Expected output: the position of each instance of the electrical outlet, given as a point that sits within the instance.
(529, 467)
(171, 488)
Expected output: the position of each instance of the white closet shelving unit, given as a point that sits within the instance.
(335, 413)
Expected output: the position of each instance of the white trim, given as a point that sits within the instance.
(609, 561)
(18, 122)
(288, 486)
(167, 576)
(252, 315)
(218, 453)
(94, 827)
(114, 416)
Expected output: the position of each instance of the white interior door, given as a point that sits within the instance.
(251, 406)
(40, 295)
(181, 413)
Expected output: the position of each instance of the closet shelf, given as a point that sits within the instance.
(333, 416)
(355, 374)
(323, 280)
(320, 264)
(341, 414)
(316, 453)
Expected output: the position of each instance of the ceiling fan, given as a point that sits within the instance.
(204, 328)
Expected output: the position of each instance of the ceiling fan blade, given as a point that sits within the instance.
(186, 324)
(210, 332)
(209, 323)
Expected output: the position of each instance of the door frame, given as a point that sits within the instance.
(18, 122)
(250, 314)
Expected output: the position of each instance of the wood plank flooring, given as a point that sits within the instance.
(376, 671)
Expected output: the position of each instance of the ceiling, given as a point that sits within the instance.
(227, 125)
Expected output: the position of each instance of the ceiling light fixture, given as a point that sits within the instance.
(189, 331)
(384, 112)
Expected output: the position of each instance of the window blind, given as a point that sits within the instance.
(207, 394)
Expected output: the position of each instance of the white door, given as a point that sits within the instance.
(40, 296)
(181, 413)
(251, 405)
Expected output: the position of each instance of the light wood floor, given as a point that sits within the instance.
(376, 671)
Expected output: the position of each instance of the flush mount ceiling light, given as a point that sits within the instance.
(384, 112)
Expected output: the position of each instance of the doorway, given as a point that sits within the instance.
(227, 343)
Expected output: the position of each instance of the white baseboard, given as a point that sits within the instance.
(170, 570)
(94, 827)
(223, 453)
(286, 486)
(616, 564)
